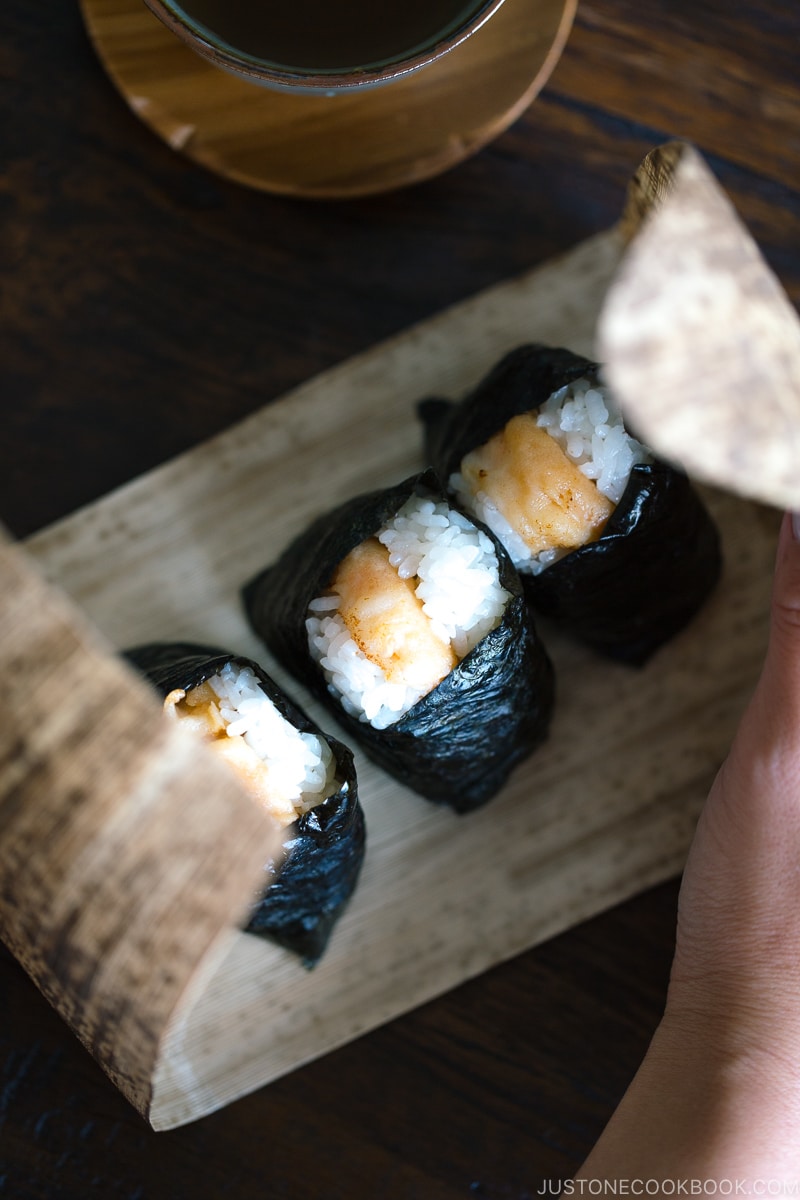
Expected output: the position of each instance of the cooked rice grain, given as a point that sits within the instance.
(457, 571)
(584, 421)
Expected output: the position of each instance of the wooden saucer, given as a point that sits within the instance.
(331, 146)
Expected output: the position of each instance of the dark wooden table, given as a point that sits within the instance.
(147, 305)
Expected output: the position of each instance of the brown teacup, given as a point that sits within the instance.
(323, 46)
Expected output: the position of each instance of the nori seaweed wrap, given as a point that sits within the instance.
(324, 847)
(658, 555)
(457, 743)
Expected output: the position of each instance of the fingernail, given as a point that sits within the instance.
(796, 526)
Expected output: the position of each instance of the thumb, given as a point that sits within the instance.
(778, 692)
(783, 655)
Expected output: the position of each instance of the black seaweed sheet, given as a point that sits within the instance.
(323, 850)
(458, 744)
(659, 555)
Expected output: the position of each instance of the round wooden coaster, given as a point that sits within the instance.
(331, 146)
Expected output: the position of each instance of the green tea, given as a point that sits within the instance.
(329, 35)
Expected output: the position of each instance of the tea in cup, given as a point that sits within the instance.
(323, 45)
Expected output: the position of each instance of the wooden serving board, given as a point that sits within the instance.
(606, 808)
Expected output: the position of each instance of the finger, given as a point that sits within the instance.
(758, 787)
(774, 715)
(782, 666)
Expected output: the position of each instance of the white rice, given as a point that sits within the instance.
(585, 422)
(457, 575)
(302, 768)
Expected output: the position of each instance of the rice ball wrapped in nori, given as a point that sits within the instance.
(612, 544)
(305, 779)
(409, 622)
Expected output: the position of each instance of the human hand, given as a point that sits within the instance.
(737, 960)
(718, 1094)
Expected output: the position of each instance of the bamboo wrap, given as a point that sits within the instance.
(700, 341)
(121, 869)
(125, 854)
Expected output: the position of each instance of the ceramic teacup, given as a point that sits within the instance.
(323, 46)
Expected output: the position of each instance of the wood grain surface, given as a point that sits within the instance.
(126, 859)
(147, 305)
(325, 146)
(701, 344)
(604, 809)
